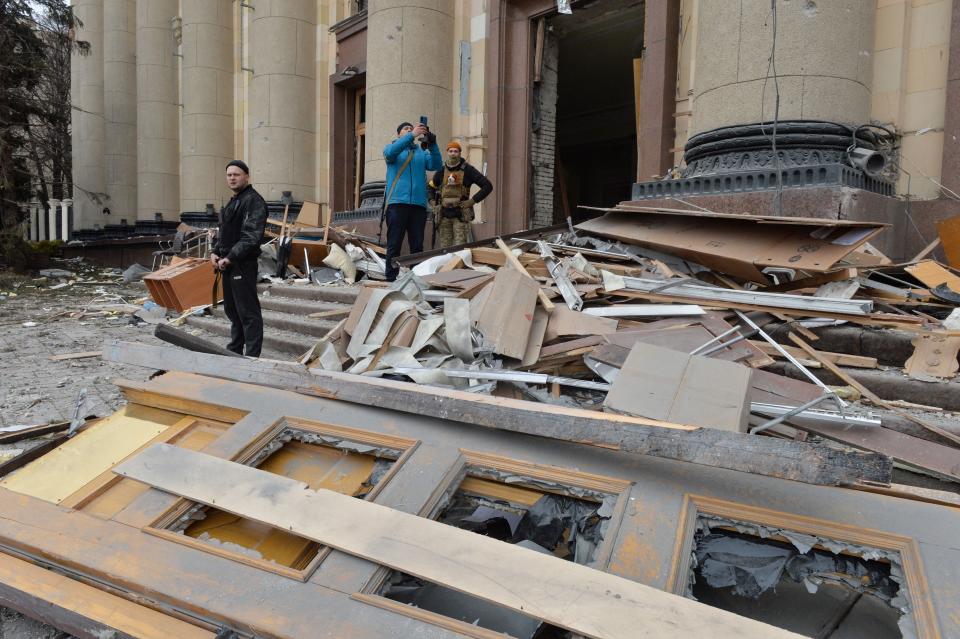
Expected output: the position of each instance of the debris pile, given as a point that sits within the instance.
(693, 318)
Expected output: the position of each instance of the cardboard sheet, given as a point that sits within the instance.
(660, 383)
(507, 312)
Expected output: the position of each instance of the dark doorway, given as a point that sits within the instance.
(587, 88)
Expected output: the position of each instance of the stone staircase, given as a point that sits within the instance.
(288, 331)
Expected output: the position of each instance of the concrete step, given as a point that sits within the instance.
(221, 337)
(299, 307)
(282, 344)
(273, 320)
(338, 294)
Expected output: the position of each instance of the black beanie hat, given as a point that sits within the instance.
(401, 125)
(240, 164)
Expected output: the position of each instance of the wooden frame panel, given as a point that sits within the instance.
(108, 479)
(404, 447)
(918, 589)
(454, 480)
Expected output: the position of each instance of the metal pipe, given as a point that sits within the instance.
(796, 411)
(790, 358)
(718, 337)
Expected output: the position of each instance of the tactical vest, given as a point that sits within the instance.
(452, 190)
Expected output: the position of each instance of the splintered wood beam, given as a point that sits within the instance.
(797, 461)
(578, 598)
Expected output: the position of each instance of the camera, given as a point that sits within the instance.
(429, 138)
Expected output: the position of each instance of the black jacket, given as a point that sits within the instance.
(471, 176)
(242, 222)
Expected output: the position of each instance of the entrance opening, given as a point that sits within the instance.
(584, 137)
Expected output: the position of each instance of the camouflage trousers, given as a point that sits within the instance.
(452, 231)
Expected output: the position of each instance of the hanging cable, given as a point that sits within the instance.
(772, 71)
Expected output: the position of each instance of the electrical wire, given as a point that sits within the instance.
(953, 194)
(772, 69)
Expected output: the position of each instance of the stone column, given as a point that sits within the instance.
(120, 104)
(158, 121)
(65, 219)
(823, 58)
(207, 87)
(88, 132)
(52, 218)
(36, 220)
(409, 72)
(282, 104)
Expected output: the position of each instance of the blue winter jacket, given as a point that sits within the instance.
(412, 186)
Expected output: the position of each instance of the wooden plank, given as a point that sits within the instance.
(572, 596)
(933, 275)
(866, 392)
(735, 451)
(82, 610)
(194, 582)
(934, 355)
(840, 359)
(512, 260)
(66, 356)
(813, 281)
(913, 451)
(927, 250)
(11, 437)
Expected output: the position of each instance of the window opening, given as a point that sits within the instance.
(567, 522)
(320, 460)
(811, 585)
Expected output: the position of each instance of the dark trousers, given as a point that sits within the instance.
(403, 219)
(242, 306)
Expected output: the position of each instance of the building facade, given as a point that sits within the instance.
(559, 110)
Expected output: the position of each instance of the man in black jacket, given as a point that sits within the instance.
(235, 254)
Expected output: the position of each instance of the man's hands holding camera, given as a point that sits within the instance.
(422, 133)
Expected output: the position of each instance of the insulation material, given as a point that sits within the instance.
(456, 317)
(338, 259)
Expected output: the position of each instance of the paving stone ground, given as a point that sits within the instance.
(35, 390)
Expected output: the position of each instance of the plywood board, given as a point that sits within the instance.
(81, 459)
(661, 383)
(736, 245)
(934, 355)
(508, 312)
(933, 275)
(578, 598)
(949, 231)
(309, 214)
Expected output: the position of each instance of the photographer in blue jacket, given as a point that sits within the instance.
(409, 157)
